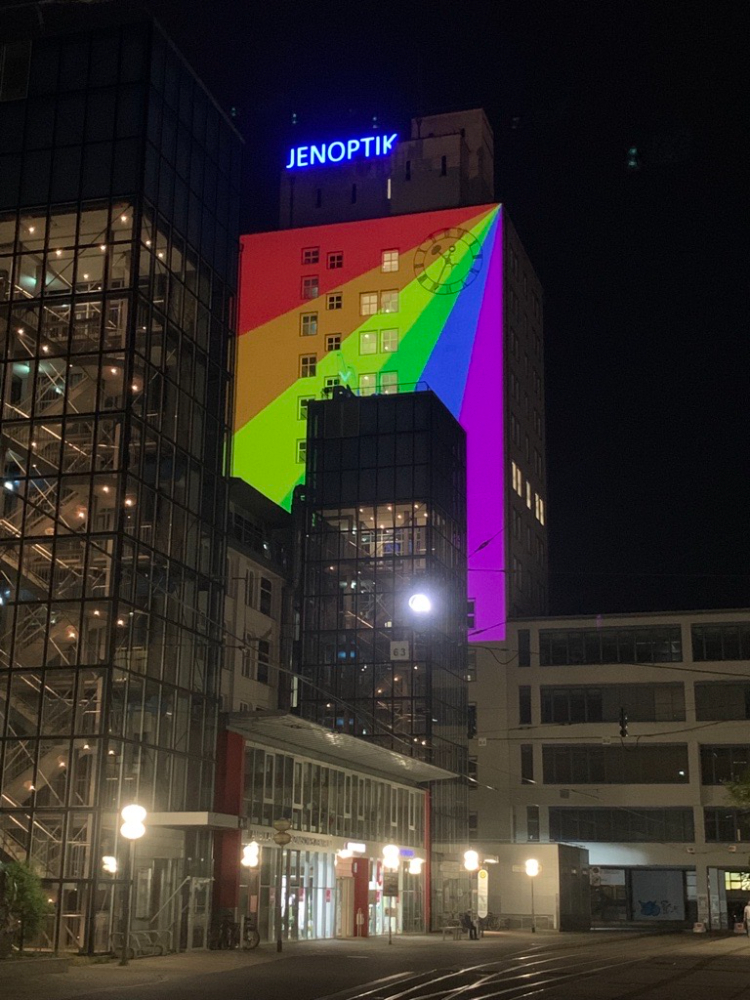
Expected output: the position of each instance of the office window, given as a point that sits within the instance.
(14, 70)
(388, 341)
(528, 494)
(717, 701)
(524, 705)
(471, 728)
(516, 522)
(368, 384)
(623, 825)
(721, 641)
(532, 824)
(308, 324)
(720, 763)
(389, 383)
(472, 770)
(473, 829)
(266, 596)
(727, 825)
(249, 582)
(657, 644)
(524, 647)
(329, 384)
(389, 260)
(333, 342)
(335, 300)
(310, 286)
(301, 452)
(264, 660)
(527, 764)
(516, 478)
(302, 402)
(308, 364)
(538, 423)
(602, 703)
(368, 303)
(517, 570)
(247, 656)
(335, 260)
(471, 624)
(389, 301)
(310, 255)
(368, 342)
(616, 764)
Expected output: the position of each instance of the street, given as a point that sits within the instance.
(607, 966)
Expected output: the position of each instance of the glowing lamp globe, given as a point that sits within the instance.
(420, 604)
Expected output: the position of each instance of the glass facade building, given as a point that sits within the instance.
(118, 233)
(384, 518)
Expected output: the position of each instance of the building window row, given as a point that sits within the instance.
(622, 825)
(723, 641)
(330, 800)
(656, 644)
(640, 702)
(588, 764)
(389, 263)
(719, 701)
(726, 825)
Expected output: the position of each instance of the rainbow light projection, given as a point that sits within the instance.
(450, 339)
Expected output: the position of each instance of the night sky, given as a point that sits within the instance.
(645, 270)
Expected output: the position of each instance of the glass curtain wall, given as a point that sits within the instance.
(385, 513)
(115, 308)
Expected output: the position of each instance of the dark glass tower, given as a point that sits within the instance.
(383, 520)
(118, 235)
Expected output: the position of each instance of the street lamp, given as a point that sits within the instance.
(132, 829)
(392, 863)
(282, 838)
(532, 868)
(420, 604)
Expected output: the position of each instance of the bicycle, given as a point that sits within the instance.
(250, 936)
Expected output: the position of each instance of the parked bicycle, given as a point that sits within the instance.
(251, 937)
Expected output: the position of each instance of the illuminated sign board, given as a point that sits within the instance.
(365, 148)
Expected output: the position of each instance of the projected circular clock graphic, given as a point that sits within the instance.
(448, 261)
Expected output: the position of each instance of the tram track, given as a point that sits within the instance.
(534, 971)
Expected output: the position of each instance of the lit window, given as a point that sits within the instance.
(541, 511)
(333, 341)
(310, 286)
(308, 364)
(368, 342)
(367, 384)
(335, 260)
(308, 324)
(368, 303)
(517, 479)
(388, 341)
(301, 452)
(389, 383)
(302, 406)
(310, 255)
(335, 300)
(528, 494)
(389, 301)
(389, 261)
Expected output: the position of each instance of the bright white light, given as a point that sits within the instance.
(109, 864)
(133, 814)
(420, 603)
(471, 861)
(355, 847)
(415, 866)
(132, 831)
(391, 856)
(532, 867)
(251, 855)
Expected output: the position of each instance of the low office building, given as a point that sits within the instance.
(615, 734)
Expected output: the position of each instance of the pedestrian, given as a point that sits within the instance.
(746, 917)
(470, 925)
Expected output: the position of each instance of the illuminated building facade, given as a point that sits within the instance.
(447, 298)
(118, 208)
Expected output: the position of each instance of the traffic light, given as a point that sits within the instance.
(623, 723)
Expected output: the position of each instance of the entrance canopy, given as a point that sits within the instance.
(292, 734)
